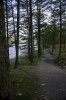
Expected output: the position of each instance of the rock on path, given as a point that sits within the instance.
(51, 79)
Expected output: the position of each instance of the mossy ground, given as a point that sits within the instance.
(59, 59)
(23, 82)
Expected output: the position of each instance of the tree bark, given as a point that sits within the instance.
(60, 28)
(39, 36)
(7, 26)
(17, 37)
(31, 32)
(4, 62)
(28, 31)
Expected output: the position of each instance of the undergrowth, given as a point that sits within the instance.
(23, 83)
(59, 59)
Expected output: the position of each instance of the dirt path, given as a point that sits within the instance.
(51, 79)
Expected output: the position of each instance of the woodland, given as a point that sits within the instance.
(32, 49)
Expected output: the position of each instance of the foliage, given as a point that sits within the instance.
(60, 60)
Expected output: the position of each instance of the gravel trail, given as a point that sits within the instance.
(51, 79)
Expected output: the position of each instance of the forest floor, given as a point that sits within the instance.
(51, 83)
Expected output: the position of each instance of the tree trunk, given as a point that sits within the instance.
(4, 62)
(28, 31)
(31, 32)
(53, 38)
(7, 27)
(39, 36)
(63, 40)
(60, 28)
(13, 22)
(17, 37)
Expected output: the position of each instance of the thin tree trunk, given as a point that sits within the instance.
(53, 37)
(45, 41)
(39, 36)
(60, 28)
(64, 40)
(7, 27)
(14, 27)
(31, 32)
(17, 37)
(13, 20)
(28, 32)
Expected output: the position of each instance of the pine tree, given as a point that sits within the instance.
(4, 62)
(17, 37)
(39, 34)
(31, 32)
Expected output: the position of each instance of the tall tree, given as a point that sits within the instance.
(39, 34)
(27, 6)
(60, 27)
(59, 11)
(17, 37)
(31, 32)
(4, 62)
(13, 21)
(7, 26)
(53, 30)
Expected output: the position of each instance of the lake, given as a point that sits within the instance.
(22, 51)
(12, 52)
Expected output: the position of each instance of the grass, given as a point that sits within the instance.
(22, 79)
(23, 83)
(60, 60)
(25, 61)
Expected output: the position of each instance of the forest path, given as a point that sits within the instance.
(51, 79)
